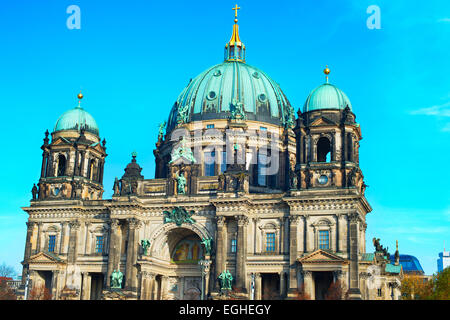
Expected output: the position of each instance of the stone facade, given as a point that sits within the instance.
(282, 204)
(237, 217)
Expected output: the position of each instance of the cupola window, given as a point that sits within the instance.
(323, 150)
(61, 165)
(211, 95)
(262, 98)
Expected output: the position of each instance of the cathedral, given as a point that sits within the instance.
(249, 199)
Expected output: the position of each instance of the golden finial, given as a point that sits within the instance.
(327, 72)
(396, 244)
(80, 95)
(236, 8)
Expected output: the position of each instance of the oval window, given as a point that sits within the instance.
(211, 95)
(256, 75)
(217, 73)
(323, 179)
(262, 97)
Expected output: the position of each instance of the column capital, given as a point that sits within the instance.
(134, 223)
(114, 223)
(220, 220)
(242, 220)
(354, 217)
(30, 224)
(342, 216)
(306, 273)
(294, 219)
(74, 224)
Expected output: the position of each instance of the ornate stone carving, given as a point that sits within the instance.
(134, 223)
(294, 219)
(242, 220)
(178, 216)
(220, 220)
(145, 243)
(74, 224)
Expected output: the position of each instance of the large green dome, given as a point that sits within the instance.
(326, 96)
(211, 95)
(76, 119)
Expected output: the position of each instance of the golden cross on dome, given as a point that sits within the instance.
(236, 8)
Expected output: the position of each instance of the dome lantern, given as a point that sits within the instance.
(235, 49)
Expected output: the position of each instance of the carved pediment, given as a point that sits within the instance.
(322, 121)
(321, 256)
(45, 257)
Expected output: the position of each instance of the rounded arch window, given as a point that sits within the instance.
(61, 165)
(323, 150)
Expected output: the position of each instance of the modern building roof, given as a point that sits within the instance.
(409, 263)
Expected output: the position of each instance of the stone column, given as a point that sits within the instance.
(241, 255)
(293, 251)
(354, 292)
(73, 241)
(221, 252)
(301, 241)
(309, 236)
(255, 232)
(44, 160)
(38, 237)
(87, 241)
(308, 284)
(165, 283)
(144, 275)
(61, 240)
(54, 284)
(281, 235)
(282, 285)
(151, 285)
(85, 294)
(113, 251)
(27, 254)
(82, 163)
(131, 270)
(258, 286)
(343, 233)
(57, 283)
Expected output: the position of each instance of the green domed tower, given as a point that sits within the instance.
(73, 162)
(328, 140)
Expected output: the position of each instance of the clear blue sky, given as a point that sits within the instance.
(132, 59)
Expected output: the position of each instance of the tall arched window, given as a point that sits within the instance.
(323, 150)
(262, 169)
(61, 165)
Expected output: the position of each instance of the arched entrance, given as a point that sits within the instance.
(173, 263)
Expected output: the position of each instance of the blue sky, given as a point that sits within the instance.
(132, 59)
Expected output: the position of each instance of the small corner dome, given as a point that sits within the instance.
(326, 96)
(76, 119)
